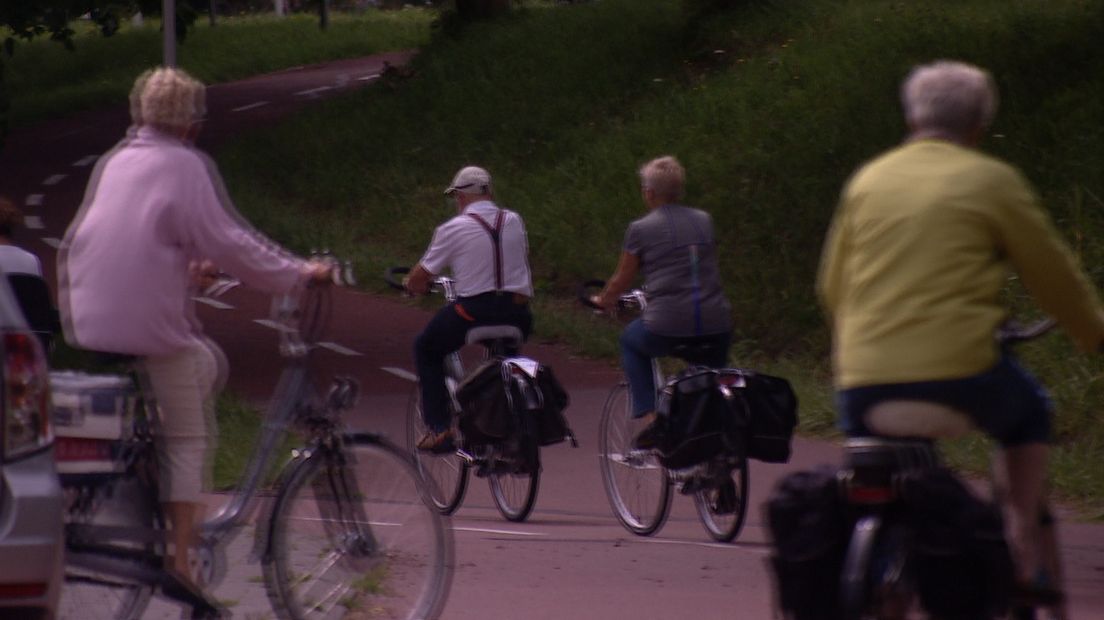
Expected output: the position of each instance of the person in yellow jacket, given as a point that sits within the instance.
(923, 241)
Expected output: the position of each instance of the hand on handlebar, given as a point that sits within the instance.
(319, 271)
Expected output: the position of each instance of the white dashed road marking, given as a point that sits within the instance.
(661, 541)
(53, 242)
(214, 303)
(336, 348)
(314, 91)
(33, 222)
(400, 373)
(250, 106)
(54, 179)
(34, 200)
(482, 530)
(370, 76)
(85, 161)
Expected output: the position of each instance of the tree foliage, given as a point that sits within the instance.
(26, 20)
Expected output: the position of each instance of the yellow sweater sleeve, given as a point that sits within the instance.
(1046, 265)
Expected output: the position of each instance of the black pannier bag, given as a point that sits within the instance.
(698, 420)
(552, 427)
(705, 411)
(485, 415)
(809, 530)
(959, 555)
(771, 410)
(491, 394)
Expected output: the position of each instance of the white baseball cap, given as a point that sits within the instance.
(471, 180)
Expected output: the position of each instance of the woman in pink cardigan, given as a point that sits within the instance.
(154, 223)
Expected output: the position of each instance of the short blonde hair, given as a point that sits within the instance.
(665, 176)
(171, 99)
(950, 96)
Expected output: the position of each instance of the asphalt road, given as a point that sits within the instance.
(571, 559)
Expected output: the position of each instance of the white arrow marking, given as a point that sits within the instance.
(53, 242)
(333, 346)
(54, 179)
(214, 303)
(85, 161)
(400, 373)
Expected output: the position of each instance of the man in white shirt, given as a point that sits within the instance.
(486, 249)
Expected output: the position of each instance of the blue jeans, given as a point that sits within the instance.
(446, 332)
(639, 346)
(1005, 401)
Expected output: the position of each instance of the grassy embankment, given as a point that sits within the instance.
(770, 108)
(46, 80)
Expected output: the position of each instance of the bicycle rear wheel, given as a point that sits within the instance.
(636, 484)
(124, 503)
(876, 582)
(515, 493)
(446, 475)
(722, 510)
(354, 534)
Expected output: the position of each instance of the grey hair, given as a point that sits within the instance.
(665, 176)
(171, 99)
(949, 96)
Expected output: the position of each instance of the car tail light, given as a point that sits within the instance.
(26, 396)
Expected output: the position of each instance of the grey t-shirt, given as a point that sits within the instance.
(678, 260)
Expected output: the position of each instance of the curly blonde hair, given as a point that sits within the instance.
(171, 99)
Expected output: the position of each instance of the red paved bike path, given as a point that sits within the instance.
(571, 559)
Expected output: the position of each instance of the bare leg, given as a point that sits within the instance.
(183, 516)
(1021, 474)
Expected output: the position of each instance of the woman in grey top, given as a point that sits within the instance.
(673, 247)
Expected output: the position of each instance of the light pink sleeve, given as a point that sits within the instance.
(214, 231)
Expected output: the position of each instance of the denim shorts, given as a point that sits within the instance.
(1005, 401)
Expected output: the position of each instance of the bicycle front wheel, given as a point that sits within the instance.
(722, 508)
(97, 510)
(636, 484)
(446, 475)
(353, 534)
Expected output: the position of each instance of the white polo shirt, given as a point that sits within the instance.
(463, 246)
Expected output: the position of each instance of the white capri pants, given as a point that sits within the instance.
(185, 384)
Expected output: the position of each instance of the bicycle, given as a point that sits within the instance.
(878, 578)
(347, 526)
(637, 485)
(512, 467)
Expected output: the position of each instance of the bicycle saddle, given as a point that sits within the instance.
(479, 335)
(696, 353)
(917, 419)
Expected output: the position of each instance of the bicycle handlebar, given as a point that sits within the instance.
(439, 284)
(632, 299)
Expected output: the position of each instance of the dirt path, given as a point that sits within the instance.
(572, 559)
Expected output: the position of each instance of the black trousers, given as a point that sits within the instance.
(446, 332)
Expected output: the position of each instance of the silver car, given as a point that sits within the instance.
(32, 543)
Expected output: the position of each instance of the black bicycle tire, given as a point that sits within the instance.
(445, 502)
(278, 576)
(854, 579)
(613, 494)
(502, 502)
(705, 512)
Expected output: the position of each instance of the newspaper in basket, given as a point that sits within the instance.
(92, 415)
